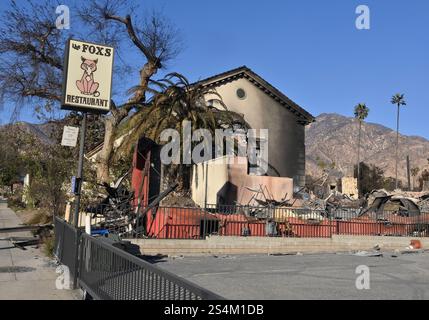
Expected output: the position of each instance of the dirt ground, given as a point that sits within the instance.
(33, 216)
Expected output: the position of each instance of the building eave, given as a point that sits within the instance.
(303, 116)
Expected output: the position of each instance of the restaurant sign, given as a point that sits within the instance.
(87, 83)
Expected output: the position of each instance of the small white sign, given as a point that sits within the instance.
(70, 135)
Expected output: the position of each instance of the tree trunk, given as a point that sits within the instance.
(112, 122)
(358, 162)
(148, 70)
(397, 149)
(103, 161)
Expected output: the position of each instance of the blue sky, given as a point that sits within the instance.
(312, 51)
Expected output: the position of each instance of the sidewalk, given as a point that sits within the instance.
(26, 274)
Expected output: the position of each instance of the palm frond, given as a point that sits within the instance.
(174, 101)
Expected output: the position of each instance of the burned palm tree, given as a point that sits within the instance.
(414, 172)
(174, 100)
(361, 113)
(398, 100)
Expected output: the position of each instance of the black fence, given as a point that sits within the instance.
(109, 273)
(66, 245)
(246, 221)
(254, 221)
(380, 223)
(168, 222)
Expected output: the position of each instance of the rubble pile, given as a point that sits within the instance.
(404, 203)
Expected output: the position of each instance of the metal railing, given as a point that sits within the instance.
(109, 273)
(198, 223)
(66, 245)
(251, 221)
(168, 222)
(381, 223)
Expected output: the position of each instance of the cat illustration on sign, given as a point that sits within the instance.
(87, 85)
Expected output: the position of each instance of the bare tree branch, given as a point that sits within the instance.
(32, 50)
(133, 37)
(31, 55)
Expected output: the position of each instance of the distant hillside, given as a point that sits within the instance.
(41, 132)
(334, 138)
(50, 132)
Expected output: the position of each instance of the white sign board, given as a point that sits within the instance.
(70, 135)
(88, 69)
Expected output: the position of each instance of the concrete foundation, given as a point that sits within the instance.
(255, 245)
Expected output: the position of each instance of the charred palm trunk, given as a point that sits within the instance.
(112, 122)
(358, 160)
(397, 149)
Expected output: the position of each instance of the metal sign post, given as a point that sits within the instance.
(78, 188)
(79, 176)
(87, 87)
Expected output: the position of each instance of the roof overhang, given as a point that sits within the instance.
(302, 115)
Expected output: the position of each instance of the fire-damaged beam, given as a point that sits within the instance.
(26, 228)
(22, 242)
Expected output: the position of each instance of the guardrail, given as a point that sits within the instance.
(109, 273)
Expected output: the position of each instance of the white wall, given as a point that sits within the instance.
(286, 136)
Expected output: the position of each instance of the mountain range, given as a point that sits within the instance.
(333, 138)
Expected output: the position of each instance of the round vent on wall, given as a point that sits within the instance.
(241, 94)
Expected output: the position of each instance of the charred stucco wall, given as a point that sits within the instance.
(227, 182)
(286, 147)
(208, 178)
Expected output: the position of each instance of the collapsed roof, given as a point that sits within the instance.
(407, 204)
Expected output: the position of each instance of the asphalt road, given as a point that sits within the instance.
(322, 276)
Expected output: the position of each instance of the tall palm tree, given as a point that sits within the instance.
(414, 172)
(361, 113)
(173, 101)
(399, 100)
